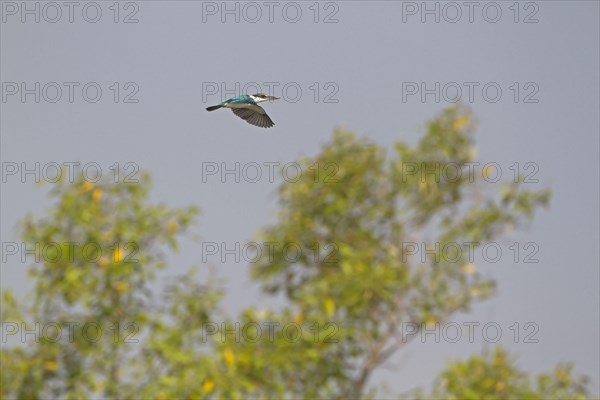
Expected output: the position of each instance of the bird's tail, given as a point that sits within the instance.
(213, 108)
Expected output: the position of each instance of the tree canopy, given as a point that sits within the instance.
(343, 266)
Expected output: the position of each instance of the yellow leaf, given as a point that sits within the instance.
(102, 261)
(87, 186)
(118, 254)
(96, 195)
(469, 268)
(299, 318)
(461, 121)
(229, 357)
(329, 306)
(51, 365)
(489, 172)
(121, 286)
(474, 291)
(161, 396)
(303, 188)
(71, 275)
(208, 386)
(431, 320)
(499, 386)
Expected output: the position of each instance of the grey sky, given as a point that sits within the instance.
(173, 57)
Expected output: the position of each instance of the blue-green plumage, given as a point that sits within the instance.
(240, 99)
(246, 107)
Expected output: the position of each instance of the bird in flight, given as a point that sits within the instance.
(246, 107)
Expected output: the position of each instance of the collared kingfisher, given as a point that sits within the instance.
(246, 107)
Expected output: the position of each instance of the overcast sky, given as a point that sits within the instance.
(135, 90)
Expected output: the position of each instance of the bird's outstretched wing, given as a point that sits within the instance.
(255, 115)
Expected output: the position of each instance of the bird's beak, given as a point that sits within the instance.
(273, 98)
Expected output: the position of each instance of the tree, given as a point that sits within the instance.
(372, 211)
(96, 253)
(494, 375)
(341, 255)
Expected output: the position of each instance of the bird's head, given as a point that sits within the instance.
(258, 97)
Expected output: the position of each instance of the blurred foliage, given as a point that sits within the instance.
(494, 375)
(97, 251)
(350, 286)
